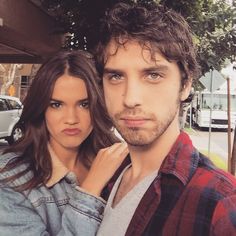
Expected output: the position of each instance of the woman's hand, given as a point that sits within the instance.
(103, 167)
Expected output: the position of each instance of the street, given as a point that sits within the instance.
(218, 141)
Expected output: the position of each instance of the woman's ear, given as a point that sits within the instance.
(186, 90)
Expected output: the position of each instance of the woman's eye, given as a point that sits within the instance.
(55, 105)
(84, 104)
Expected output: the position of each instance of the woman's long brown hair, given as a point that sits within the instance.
(32, 148)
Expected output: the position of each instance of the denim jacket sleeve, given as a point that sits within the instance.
(81, 216)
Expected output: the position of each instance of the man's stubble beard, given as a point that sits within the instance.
(138, 136)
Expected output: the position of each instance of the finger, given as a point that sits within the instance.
(121, 151)
(102, 151)
(125, 151)
(116, 148)
(118, 155)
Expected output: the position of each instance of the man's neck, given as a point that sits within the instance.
(147, 159)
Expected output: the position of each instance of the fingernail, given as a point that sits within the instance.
(124, 144)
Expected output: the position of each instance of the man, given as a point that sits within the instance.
(147, 62)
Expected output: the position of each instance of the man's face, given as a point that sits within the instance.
(142, 95)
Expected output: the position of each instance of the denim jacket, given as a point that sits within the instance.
(62, 209)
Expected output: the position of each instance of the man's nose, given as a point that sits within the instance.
(132, 94)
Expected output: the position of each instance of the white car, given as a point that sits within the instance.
(10, 112)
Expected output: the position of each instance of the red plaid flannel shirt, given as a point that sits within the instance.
(189, 197)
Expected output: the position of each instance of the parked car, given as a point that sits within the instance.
(10, 112)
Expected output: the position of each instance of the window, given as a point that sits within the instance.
(13, 104)
(219, 102)
(3, 105)
(25, 81)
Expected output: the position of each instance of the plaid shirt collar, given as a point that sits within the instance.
(182, 159)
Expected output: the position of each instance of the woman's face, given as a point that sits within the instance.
(67, 116)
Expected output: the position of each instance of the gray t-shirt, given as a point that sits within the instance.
(116, 219)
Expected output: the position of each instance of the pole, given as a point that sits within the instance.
(190, 118)
(229, 126)
(233, 158)
(211, 88)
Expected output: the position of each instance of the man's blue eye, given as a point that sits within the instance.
(115, 77)
(154, 76)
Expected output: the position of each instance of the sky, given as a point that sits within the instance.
(231, 73)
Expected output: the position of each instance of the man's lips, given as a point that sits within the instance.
(74, 131)
(134, 121)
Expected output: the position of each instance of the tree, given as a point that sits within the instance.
(8, 74)
(216, 38)
(78, 19)
(213, 23)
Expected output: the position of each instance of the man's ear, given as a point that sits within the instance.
(186, 90)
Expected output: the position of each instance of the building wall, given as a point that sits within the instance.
(21, 81)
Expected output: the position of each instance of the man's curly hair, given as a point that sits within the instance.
(156, 28)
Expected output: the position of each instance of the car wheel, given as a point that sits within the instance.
(15, 135)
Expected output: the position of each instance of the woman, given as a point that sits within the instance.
(65, 125)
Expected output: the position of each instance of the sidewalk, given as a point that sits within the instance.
(217, 154)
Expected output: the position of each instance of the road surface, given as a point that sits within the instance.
(218, 142)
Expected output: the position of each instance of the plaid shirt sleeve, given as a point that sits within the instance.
(224, 217)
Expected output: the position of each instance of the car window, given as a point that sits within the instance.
(3, 105)
(13, 104)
